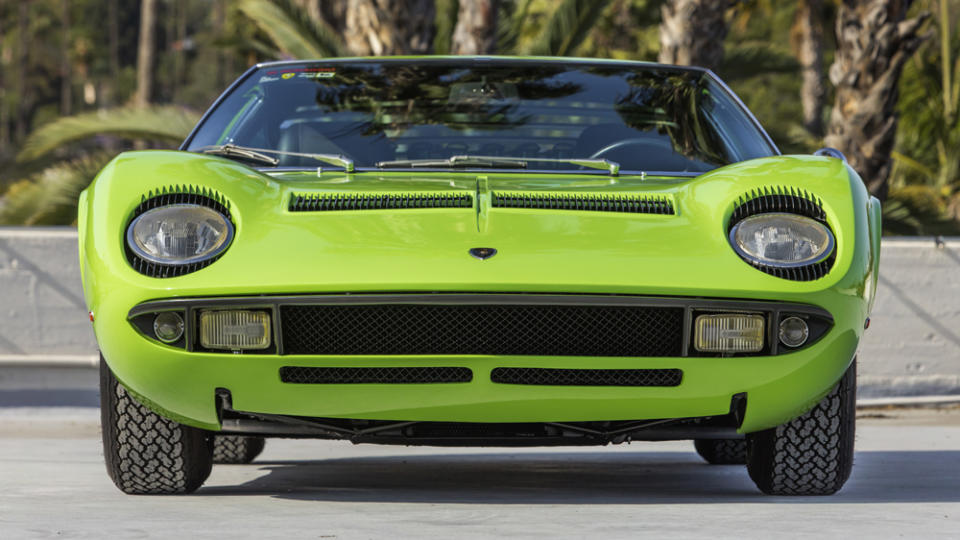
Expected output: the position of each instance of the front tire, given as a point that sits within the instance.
(146, 453)
(812, 454)
(722, 451)
(236, 449)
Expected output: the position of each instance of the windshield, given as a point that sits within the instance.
(382, 113)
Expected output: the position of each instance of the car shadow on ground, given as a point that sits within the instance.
(584, 478)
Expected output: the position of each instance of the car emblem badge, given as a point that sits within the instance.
(482, 253)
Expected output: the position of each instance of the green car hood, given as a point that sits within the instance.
(279, 251)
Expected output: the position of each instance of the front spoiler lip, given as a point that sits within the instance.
(774, 308)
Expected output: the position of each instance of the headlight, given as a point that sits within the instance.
(179, 234)
(784, 240)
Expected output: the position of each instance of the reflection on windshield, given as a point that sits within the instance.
(645, 118)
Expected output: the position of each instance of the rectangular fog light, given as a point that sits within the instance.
(729, 333)
(234, 329)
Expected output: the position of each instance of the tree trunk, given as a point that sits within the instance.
(4, 115)
(145, 53)
(23, 58)
(113, 37)
(808, 34)
(312, 7)
(66, 67)
(389, 27)
(874, 40)
(692, 32)
(180, 50)
(476, 30)
(220, 54)
(334, 12)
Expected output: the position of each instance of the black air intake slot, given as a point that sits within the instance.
(587, 377)
(633, 204)
(328, 202)
(375, 375)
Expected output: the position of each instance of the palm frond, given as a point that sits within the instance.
(569, 26)
(510, 23)
(448, 11)
(748, 60)
(160, 123)
(294, 32)
(50, 196)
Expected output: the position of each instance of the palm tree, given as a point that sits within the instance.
(874, 41)
(295, 35)
(50, 196)
(145, 53)
(476, 30)
(692, 32)
(388, 27)
(926, 170)
(808, 42)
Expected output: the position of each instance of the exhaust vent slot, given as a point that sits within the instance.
(589, 202)
(332, 202)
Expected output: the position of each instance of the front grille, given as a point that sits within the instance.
(328, 202)
(374, 375)
(587, 377)
(629, 203)
(509, 330)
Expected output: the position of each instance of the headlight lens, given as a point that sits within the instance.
(785, 240)
(179, 234)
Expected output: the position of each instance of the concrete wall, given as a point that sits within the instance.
(912, 347)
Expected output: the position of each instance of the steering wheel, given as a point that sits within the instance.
(659, 144)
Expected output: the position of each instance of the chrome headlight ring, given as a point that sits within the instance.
(783, 232)
(782, 240)
(178, 231)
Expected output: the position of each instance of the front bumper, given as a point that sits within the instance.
(182, 382)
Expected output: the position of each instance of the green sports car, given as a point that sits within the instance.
(478, 251)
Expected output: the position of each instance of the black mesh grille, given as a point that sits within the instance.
(165, 197)
(374, 375)
(587, 377)
(790, 201)
(536, 330)
(323, 202)
(636, 204)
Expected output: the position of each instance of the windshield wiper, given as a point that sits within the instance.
(457, 161)
(260, 154)
(500, 162)
(230, 150)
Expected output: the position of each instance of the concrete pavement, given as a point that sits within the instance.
(905, 484)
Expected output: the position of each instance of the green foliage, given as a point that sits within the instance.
(446, 21)
(928, 136)
(569, 26)
(159, 123)
(50, 196)
(292, 30)
(745, 60)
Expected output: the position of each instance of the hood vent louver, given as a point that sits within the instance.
(778, 199)
(331, 202)
(589, 202)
